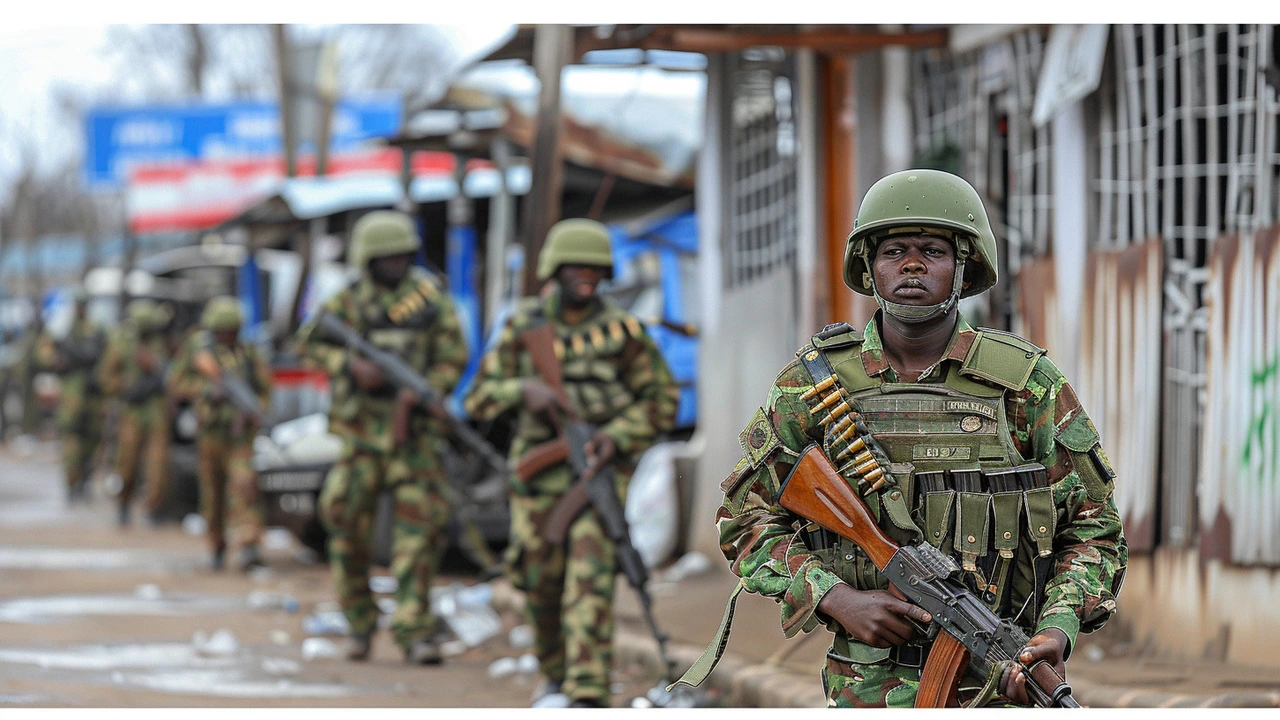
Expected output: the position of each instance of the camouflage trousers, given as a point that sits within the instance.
(228, 489)
(348, 505)
(143, 440)
(81, 429)
(883, 683)
(569, 595)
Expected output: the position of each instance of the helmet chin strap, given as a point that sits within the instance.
(913, 314)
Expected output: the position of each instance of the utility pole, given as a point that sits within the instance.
(286, 95)
(552, 50)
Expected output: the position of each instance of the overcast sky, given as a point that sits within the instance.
(35, 58)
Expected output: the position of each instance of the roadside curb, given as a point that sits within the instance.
(745, 684)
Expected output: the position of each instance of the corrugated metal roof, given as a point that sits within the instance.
(308, 198)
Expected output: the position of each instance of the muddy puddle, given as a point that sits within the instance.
(65, 608)
(171, 668)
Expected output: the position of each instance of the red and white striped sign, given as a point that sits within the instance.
(197, 195)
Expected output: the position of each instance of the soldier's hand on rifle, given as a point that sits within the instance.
(216, 393)
(542, 399)
(875, 617)
(366, 374)
(1051, 646)
(600, 449)
(146, 361)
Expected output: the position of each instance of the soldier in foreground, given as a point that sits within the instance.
(613, 377)
(402, 309)
(80, 403)
(945, 412)
(132, 370)
(211, 365)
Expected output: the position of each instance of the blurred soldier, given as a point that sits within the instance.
(614, 378)
(24, 373)
(80, 404)
(132, 370)
(402, 309)
(989, 457)
(211, 365)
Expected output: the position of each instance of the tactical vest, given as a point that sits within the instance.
(593, 357)
(400, 328)
(957, 479)
(235, 360)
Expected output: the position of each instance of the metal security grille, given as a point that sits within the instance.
(973, 113)
(1187, 153)
(762, 166)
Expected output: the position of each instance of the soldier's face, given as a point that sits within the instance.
(226, 338)
(914, 269)
(578, 282)
(389, 271)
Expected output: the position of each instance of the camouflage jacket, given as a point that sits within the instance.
(759, 537)
(119, 370)
(613, 374)
(78, 385)
(424, 333)
(186, 383)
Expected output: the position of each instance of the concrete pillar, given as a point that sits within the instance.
(895, 110)
(1070, 219)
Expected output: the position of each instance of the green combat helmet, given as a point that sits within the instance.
(382, 233)
(143, 314)
(577, 241)
(222, 314)
(913, 201)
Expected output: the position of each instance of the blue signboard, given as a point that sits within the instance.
(116, 138)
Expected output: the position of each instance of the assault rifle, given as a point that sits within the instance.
(399, 374)
(239, 393)
(79, 356)
(971, 634)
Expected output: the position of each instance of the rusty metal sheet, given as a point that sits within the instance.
(1240, 454)
(1038, 306)
(1119, 382)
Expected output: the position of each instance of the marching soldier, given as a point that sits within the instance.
(80, 405)
(132, 370)
(403, 309)
(955, 409)
(613, 377)
(211, 365)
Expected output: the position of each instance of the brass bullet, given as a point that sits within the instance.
(835, 413)
(820, 387)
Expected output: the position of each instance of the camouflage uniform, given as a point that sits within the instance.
(143, 437)
(616, 377)
(81, 408)
(371, 462)
(224, 445)
(1043, 547)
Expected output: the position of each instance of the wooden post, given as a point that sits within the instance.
(286, 95)
(841, 167)
(552, 50)
(501, 220)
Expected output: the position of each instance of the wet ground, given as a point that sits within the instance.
(93, 616)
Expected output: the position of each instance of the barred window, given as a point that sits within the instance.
(762, 155)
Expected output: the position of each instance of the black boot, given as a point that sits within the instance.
(358, 646)
(122, 515)
(249, 558)
(218, 559)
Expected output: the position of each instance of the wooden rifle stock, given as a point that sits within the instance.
(540, 342)
(540, 457)
(815, 491)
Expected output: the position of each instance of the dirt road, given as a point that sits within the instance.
(92, 616)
